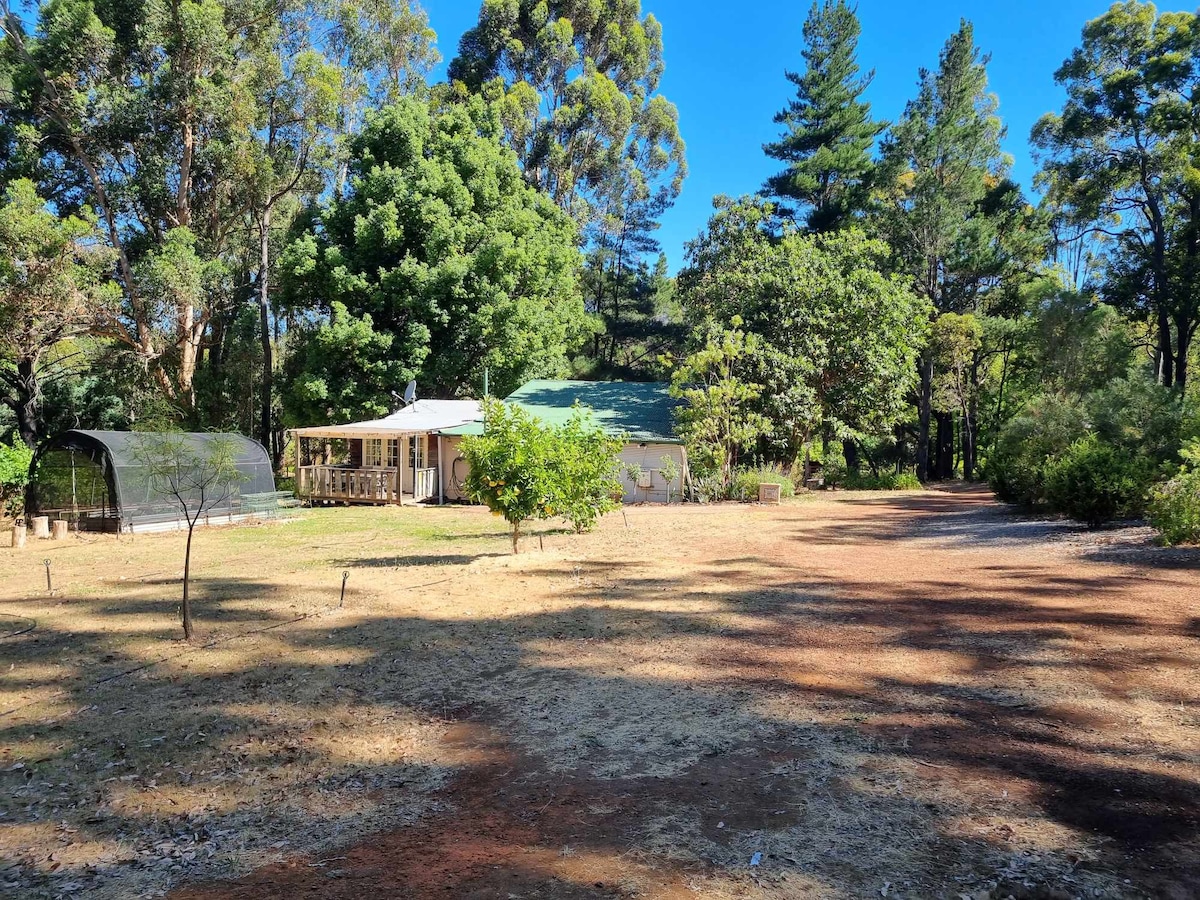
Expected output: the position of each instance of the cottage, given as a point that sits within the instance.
(382, 460)
(642, 411)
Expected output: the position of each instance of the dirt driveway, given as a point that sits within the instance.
(908, 696)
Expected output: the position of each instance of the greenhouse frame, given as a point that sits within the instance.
(98, 481)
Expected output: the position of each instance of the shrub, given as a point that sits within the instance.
(14, 475)
(746, 482)
(1095, 482)
(885, 481)
(1047, 426)
(1175, 505)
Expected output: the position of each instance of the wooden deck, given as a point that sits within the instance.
(376, 485)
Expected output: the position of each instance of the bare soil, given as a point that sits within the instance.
(899, 695)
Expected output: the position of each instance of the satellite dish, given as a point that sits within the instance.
(410, 393)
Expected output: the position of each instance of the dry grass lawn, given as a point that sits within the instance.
(906, 695)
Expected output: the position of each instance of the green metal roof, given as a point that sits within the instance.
(642, 410)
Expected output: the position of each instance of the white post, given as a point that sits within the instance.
(441, 481)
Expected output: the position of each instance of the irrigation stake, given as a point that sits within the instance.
(342, 598)
(541, 545)
(625, 517)
(49, 585)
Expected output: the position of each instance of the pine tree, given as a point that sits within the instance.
(943, 161)
(829, 130)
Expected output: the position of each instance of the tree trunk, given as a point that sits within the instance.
(28, 404)
(944, 464)
(924, 411)
(850, 454)
(187, 575)
(516, 536)
(264, 321)
(1166, 356)
(1183, 349)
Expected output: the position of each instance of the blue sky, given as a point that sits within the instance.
(725, 62)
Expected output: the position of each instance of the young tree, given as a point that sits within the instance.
(444, 246)
(53, 287)
(523, 469)
(1119, 161)
(194, 475)
(718, 417)
(829, 133)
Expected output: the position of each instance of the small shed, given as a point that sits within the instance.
(94, 480)
(642, 411)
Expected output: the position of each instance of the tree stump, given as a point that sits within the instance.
(60, 529)
(41, 526)
(18, 537)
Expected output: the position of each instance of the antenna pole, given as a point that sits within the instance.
(485, 381)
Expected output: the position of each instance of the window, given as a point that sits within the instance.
(378, 453)
(416, 457)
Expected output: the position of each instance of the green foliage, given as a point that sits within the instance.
(1044, 429)
(52, 289)
(1119, 166)
(670, 472)
(1174, 507)
(341, 371)
(523, 469)
(829, 132)
(455, 259)
(1096, 483)
(746, 482)
(576, 86)
(884, 481)
(836, 337)
(717, 418)
(15, 460)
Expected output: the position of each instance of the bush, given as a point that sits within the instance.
(885, 481)
(1095, 482)
(1175, 505)
(746, 482)
(1047, 426)
(14, 475)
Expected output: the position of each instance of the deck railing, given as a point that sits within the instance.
(355, 485)
(426, 484)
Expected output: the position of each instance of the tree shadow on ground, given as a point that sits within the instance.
(643, 732)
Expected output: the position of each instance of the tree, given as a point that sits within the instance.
(194, 474)
(954, 342)
(718, 418)
(342, 370)
(53, 288)
(829, 133)
(523, 469)
(1121, 159)
(948, 206)
(449, 252)
(576, 84)
(837, 337)
(146, 110)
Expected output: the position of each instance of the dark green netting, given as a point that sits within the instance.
(96, 480)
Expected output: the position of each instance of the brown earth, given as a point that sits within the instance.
(906, 695)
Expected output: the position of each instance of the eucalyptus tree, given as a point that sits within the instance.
(148, 109)
(829, 134)
(577, 83)
(1121, 161)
